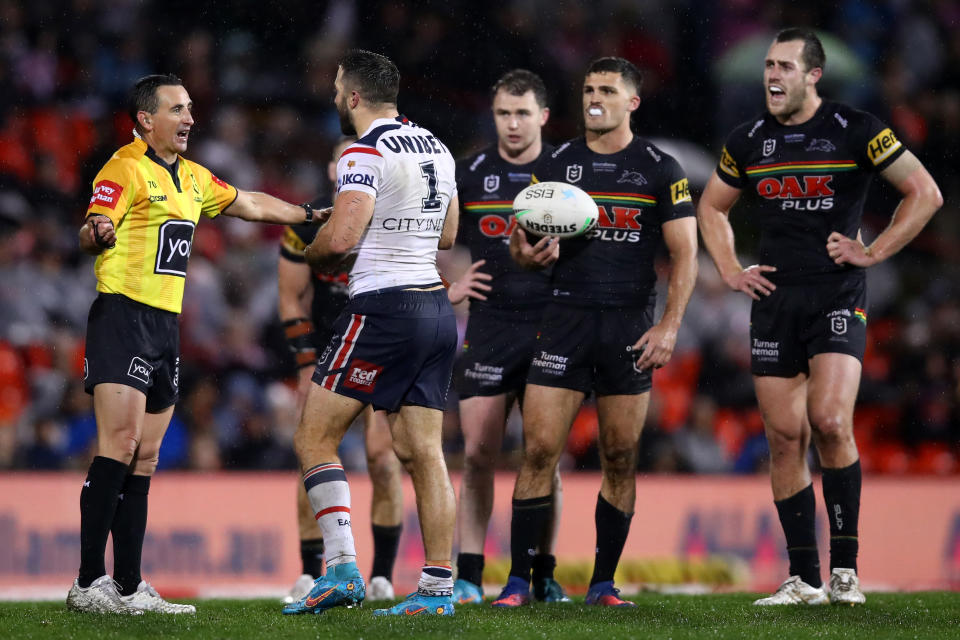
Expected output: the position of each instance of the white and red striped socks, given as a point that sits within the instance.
(329, 495)
(436, 580)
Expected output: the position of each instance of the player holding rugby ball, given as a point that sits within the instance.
(598, 333)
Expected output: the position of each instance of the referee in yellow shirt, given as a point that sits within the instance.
(147, 200)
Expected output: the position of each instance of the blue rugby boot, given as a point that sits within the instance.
(465, 592)
(418, 604)
(549, 590)
(603, 594)
(341, 587)
(515, 594)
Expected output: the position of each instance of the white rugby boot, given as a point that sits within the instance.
(299, 589)
(795, 591)
(380, 589)
(845, 587)
(146, 598)
(100, 597)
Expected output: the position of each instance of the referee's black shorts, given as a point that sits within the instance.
(133, 344)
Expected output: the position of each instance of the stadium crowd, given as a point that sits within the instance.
(260, 76)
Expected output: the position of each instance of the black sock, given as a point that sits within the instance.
(543, 566)
(613, 526)
(386, 541)
(470, 568)
(128, 528)
(311, 555)
(530, 517)
(841, 492)
(98, 503)
(798, 518)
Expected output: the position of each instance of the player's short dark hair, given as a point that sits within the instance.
(518, 81)
(374, 76)
(143, 95)
(612, 64)
(812, 54)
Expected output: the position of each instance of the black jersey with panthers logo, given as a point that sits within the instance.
(810, 179)
(329, 289)
(487, 185)
(637, 190)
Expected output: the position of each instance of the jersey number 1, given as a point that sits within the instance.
(432, 203)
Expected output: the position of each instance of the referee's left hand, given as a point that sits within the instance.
(844, 250)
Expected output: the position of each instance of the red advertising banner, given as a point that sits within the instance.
(235, 533)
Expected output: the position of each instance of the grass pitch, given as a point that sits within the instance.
(888, 615)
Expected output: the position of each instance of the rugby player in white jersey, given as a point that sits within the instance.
(395, 342)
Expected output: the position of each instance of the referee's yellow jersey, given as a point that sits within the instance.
(154, 208)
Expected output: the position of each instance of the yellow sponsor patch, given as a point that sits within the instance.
(680, 191)
(882, 145)
(292, 242)
(533, 179)
(728, 164)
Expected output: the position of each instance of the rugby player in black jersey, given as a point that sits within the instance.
(809, 162)
(502, 331)
(598, 333)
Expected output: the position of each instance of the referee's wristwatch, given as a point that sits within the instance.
(308, 209)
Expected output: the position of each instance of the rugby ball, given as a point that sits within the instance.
(555, 209)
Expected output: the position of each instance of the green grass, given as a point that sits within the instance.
(911, 615)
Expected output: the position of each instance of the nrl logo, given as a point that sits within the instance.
(633, 177)
(574, 172)
(768, 146)
(491, 183)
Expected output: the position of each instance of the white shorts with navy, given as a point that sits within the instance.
(392, 347)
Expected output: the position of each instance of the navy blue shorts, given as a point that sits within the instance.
(133, 344)
(586, 350)
(392, 348)
(496, 352)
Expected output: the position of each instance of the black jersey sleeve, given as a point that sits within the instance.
(875, 144)
(295, 240)
(673, 199)
(543, 170)
(732, 168)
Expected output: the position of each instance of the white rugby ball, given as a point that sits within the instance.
(555, 209)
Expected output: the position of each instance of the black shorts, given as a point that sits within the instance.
(496, 353)
(135, 345)
(392, 348)
(798, 321)
(587, 350)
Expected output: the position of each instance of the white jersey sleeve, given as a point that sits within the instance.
(359, 169)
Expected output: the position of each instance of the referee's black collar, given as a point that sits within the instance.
(173, 169)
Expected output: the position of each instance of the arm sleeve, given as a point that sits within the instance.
(673, 198)
(217, 194)
(360, 168)
(114, 190)
(877, 147)
(295, 241)
(731, 168)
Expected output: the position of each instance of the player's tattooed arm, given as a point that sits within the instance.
(713, 216)
(351, 215)
(921, 199)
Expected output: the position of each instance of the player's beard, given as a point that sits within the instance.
(346, 127)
